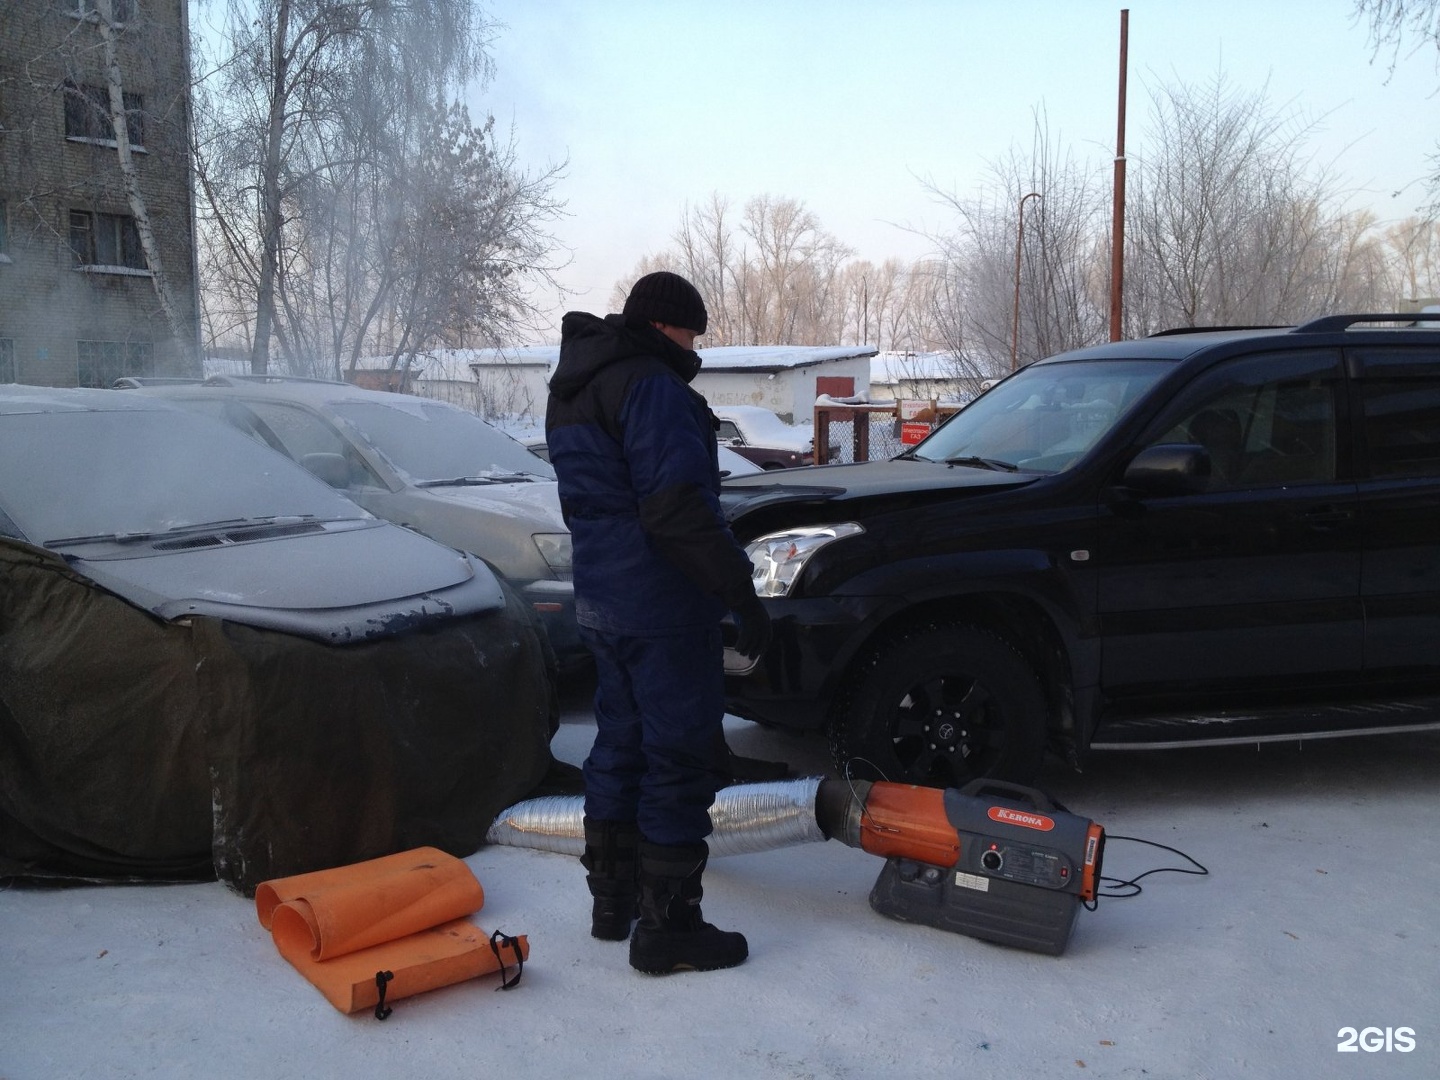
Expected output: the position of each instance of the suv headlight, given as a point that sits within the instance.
(778, 558)
(555, 549)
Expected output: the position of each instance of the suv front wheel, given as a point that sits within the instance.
(941, 706)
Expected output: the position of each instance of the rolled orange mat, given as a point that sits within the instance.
(403, 914)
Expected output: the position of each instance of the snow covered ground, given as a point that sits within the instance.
(1319, 914)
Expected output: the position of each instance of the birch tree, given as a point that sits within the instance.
(109, 28)
(103, 69)
(332, 160)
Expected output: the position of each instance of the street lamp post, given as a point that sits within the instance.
(1019, 240)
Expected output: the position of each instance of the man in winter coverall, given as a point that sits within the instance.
(656, 571)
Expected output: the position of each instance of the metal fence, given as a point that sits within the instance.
(847, 433)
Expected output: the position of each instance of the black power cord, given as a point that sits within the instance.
(1132, 885)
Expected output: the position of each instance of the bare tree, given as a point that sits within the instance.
(975, 283)
(706, 248)
(1392, 24)
(1412, 258)
(797, 265)
(773, 278)
(1232, 224)
(352, 198)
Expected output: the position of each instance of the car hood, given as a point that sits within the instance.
(536, 501)
(334, 581)
(908, 481)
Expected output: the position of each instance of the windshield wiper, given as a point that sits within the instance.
(142, 535)
(465, 481)
(994, 464)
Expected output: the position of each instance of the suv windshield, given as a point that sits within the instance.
(432, 441)
(1044, 418)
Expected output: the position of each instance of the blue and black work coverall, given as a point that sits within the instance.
(656, 569)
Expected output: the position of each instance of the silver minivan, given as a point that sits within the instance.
(431, 466)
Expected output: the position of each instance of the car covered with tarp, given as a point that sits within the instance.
(213, 665)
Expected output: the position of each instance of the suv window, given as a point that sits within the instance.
(1400, 411)
(303, 435)
(1265, 419)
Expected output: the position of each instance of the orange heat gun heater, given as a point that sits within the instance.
(992, 860)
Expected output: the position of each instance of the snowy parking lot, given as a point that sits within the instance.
(1317, 917)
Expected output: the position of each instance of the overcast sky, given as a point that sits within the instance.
(851, 107)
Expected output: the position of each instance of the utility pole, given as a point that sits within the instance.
(1117, 242)
(1019, 242)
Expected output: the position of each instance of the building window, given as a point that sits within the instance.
(7, 360)
(102, 362)
(87, 114)
(105, 240)
(120, 10)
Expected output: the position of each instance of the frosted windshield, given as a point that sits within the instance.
(93, 473)
(1044, 418)
(429, 440)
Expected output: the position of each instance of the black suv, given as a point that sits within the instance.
(1214, 536)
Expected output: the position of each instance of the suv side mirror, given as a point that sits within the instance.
(1169, 469)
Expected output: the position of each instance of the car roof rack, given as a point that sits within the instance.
(1330, 323)
(1176, 331)
(232, 380)
(131, 382)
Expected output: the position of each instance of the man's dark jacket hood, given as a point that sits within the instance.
(633, 446)
(589, 344)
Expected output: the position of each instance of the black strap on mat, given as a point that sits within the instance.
(381, 1009)
(499, 941)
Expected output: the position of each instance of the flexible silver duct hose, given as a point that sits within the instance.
(746, 818)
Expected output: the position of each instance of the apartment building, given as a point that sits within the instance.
(88, 294)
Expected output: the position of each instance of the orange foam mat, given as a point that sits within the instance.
(404, 914)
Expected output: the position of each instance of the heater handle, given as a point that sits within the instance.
(1034, 796)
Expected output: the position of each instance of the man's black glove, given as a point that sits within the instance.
(754, 627)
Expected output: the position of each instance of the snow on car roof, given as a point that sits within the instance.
(761, 427)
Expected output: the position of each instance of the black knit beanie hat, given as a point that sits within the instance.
(667, 298)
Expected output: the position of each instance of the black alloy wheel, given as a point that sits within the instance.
(940, 706)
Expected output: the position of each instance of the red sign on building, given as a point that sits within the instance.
(912, 432)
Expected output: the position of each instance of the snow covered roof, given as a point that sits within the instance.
(889, 367)
(719, 358)
(778, 357)
(440, 365)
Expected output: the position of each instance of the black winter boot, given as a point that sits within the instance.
(672, 935)
(610, 857)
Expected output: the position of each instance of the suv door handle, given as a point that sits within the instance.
(1326, 517)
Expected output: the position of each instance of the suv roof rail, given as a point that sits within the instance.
(131, 382)
(1175, 331)
(231, 380)
(1329, 323)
